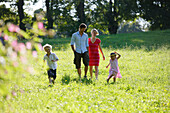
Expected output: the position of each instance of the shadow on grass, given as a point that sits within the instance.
(149, 41)
(66, 80)
(83, 81)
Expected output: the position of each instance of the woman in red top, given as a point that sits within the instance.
(94, 47)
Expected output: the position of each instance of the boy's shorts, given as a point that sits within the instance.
(52, 73)
(77, 59)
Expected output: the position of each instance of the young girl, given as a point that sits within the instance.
(114, 69)
(94, 47)
(51, 62)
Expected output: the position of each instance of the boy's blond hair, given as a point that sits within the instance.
(47, 45)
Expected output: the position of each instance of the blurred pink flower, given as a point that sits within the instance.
(23, 59)
(28, 45)
(15, 64)
(8, 97)
(21, 48)
(17, 29)
(14, 43)
(6, 72)
(13, 56)
(40, 25)
(40, 46)
(30, 70)
(11, 27)
(6, 37)
(14, 93)
(34, 54)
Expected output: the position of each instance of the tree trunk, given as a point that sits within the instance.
(80, 11)
(20, 4)
(49, 10)
(113, 23)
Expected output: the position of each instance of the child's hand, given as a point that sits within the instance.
(53, 60)
(115, 52)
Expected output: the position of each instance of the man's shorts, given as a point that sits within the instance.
(52, 73)
(77, 59)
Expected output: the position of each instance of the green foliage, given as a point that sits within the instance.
(7, 15)
(16, 58)
(156, 12)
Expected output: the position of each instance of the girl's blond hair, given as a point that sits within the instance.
(97, 33)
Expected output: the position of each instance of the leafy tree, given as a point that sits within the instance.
(49, 10)
(7, 15)
(157, 12)
(20, 4)
(108, 15)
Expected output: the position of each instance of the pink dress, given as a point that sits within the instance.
(94, 52)
(114, 68)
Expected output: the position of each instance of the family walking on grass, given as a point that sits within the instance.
(87, 49)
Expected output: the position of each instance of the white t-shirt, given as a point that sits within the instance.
(51, 64)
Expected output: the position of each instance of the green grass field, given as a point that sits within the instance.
(143, 88)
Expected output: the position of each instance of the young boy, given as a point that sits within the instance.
(51, 62)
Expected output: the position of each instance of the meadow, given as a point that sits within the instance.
(144, 86)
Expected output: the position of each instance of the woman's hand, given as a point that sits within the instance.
(107, 66)
(103, 57)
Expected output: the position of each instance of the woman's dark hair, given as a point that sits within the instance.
(83, 25)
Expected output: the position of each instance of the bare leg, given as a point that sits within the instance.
(109, 78)
(96, 72)
(114, 78)
(50, 80)
(91, 71)
(85, 70)
(79, 72)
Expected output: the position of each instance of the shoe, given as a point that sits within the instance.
(85, 76)
(53, 81)
(107, 80)
(50, 85)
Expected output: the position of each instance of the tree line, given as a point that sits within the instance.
(106, 15)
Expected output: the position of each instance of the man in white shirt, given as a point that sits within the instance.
(80, 40)
(51, 62)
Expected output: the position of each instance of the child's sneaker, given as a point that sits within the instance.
(107, 80)
(85, 76)
(53, 81)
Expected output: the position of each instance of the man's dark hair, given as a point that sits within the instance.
(83, 25)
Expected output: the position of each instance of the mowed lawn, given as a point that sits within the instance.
(144, 86)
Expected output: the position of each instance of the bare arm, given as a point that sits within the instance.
(108, 65)
(118, 55)
(54, 60)
(101, 51)
(55, 57)
(72, 42)
(72, 47)
(87, 48)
